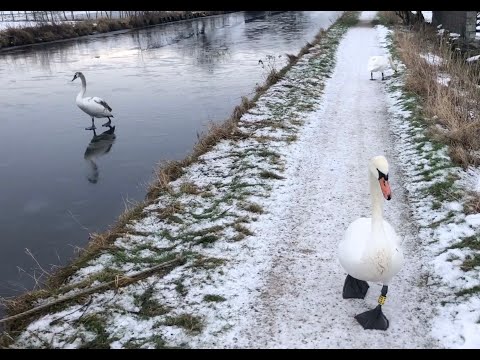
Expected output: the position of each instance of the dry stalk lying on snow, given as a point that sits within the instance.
(120, 281)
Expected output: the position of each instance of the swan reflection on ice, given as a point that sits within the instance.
(99, 145)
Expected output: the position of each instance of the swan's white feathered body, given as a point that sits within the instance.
(94, 106)
(378, 63)
(370, 249)
(376, 263)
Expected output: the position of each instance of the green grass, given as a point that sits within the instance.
(471, 262)
(96, 324)
(207, 262)
(149, 307)
(207, 239)
(472, 242)
(444, 190)
(192, 324)
(213, 298)
(471, 291)
(157, 340)
(254, 208)
(180, 287)
(270, 175)
(242, 229)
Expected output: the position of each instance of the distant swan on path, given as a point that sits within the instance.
(94, 106)
(380, 64)
(370, 249)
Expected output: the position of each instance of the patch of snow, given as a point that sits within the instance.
(432, 59)
(443, 79)
(473, 220)
(463, 320)
(427, 15)
(367, 15)
(473, 58)
(472, 179)
(4, 25)
(454, 206)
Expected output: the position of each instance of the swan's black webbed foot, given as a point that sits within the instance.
(354, 288)
(373, 319)
(93, 127)
(107, 123)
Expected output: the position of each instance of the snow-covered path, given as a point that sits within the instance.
(301, 303)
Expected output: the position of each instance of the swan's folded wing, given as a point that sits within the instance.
(102, 102)
(372, 63)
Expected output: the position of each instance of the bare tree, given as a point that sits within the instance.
(409, 18)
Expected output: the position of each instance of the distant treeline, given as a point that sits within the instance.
(50, 26)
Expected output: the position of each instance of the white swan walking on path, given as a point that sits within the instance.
(370, 249)
(380, 64)
(94, 106)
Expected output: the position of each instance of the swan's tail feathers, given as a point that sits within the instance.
(103, 103)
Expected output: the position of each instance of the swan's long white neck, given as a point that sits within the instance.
(394, 67)
(84, 87)
(377, 203)
(93, 170)
(378, 239)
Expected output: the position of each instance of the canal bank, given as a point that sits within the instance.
(194, 219)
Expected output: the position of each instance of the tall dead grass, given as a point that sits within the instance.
(454, 110)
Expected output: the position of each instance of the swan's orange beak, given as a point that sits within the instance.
(385, 186)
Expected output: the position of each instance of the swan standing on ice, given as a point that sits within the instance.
(380, 64)
(370, 249)
(93, 106)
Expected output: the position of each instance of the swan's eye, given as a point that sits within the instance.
(382, 175)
